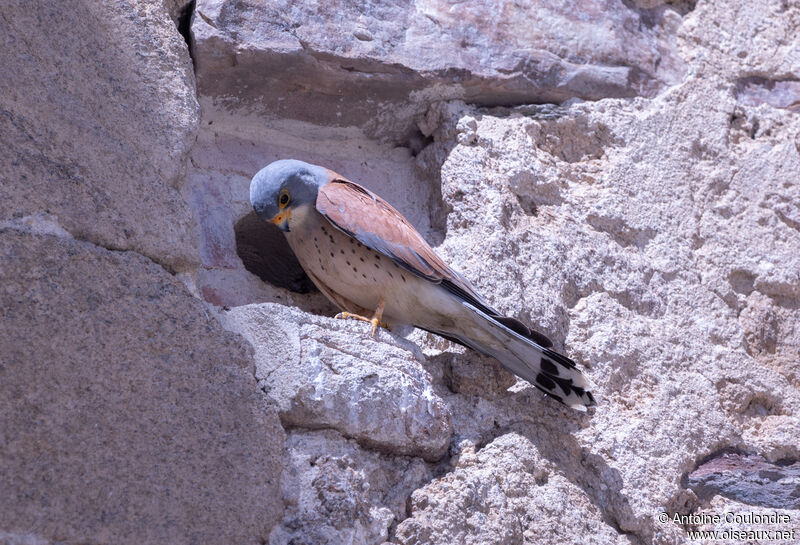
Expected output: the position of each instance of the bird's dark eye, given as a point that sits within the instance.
(283, 200)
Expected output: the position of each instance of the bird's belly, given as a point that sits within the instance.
(361, 275)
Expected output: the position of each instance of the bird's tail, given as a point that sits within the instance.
(519, 352)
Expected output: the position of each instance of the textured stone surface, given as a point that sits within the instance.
(97, 114)
(375, 65)
(326, 373)
(337, 492)
(780, 94)
(656, 239)
(652, 234)
(658, 236)
(128, 414)
(505, 493)
(178, 9)
(748, 479)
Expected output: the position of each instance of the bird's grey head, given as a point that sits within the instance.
(281, 186)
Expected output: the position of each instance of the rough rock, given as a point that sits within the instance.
(652, 233)
(376, 65)
(753, 91)
(179, 10)
(128, 414)
(658, 236)
(337, 492)
(505, 493)
(325, 373)
(97, 113)
(654, 238)
(748, 479)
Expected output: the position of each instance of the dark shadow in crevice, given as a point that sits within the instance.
(184, 23)
(652, 15)
(682, 6)
(437, 214)
(428, 161)
(438, 210)
(265, 253)
(418, 142)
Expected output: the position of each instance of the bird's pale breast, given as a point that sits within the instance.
(358, 273)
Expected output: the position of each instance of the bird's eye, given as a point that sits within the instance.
(283, 200)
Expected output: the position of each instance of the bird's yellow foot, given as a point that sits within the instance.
(375, 320)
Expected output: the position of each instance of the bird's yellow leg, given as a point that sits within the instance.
(375, 320)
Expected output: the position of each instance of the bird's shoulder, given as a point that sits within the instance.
(375, 223)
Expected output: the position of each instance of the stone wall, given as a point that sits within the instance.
(127, 413)
(624, 176)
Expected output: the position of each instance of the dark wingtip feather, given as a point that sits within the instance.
(518, 327)
(559, 358)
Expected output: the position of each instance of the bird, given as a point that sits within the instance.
(370, 262)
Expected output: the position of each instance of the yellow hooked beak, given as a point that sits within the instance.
(282, 220)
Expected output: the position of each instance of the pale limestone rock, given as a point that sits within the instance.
(505, 493)
(337, 492)
(651, 285)
(665, 249)
(327, 373)
(376, 65)
(127, 414)
(654, 238)
(97, 115)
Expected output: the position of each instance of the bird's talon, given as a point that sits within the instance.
(375, 320)
(376, 324)
(348, 315)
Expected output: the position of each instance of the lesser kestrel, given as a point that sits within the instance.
(370, 261)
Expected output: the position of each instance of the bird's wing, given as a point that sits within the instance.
(363, 215)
